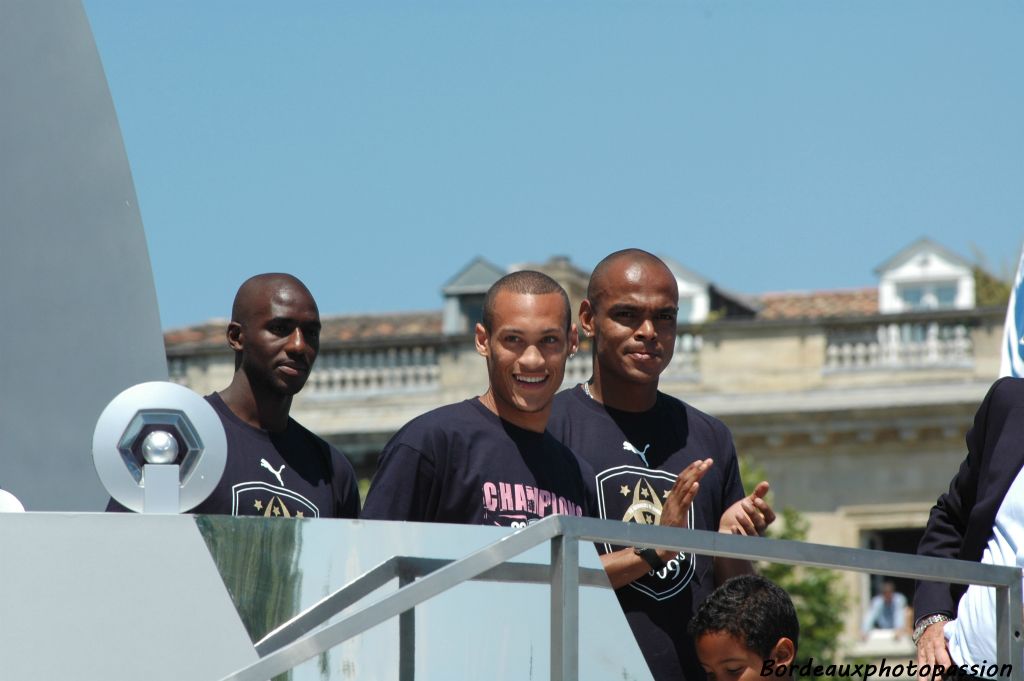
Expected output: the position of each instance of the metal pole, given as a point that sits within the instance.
(1009, 613)
(406, 634)
(786, 551)
(328, 607)
(565, 644)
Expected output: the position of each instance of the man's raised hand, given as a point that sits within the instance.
(749, 516)
(676, 510)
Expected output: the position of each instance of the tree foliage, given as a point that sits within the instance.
(990, 291)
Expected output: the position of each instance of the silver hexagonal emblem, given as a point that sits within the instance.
(159, 447)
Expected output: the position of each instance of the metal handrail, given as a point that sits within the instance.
(408, 568)
(565, 533)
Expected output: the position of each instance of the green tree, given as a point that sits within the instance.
(817, 593)
(989, 290)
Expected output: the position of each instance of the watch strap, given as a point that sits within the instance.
(651, 557)
(924, 623)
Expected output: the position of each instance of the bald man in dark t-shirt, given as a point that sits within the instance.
(646, 447)
(275, 467)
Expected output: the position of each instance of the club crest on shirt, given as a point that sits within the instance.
(635, 494)
(270, 501)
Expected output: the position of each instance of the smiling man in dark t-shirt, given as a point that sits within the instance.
(648, 449)
(489, 460)
(275, 467)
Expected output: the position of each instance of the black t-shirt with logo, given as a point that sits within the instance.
(636, 458)
(462, 464)
(291, 474)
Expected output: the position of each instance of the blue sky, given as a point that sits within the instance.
(373, 149)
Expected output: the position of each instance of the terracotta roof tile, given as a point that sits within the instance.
(817, 304)
(344, 329)
(336, 329)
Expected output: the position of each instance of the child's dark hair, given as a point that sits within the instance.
(751, 608)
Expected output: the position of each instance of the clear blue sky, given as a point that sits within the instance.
(374, 148)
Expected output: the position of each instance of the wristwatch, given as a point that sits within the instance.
(924, 623)
(650, 557)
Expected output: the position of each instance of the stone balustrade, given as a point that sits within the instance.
(686, 360)
(177, 370)
(727, 358)
(359, 373)
(577, 369)
(899, 345)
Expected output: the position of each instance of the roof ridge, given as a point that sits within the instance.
(819, 292)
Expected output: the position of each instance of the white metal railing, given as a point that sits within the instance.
(906, 345)
(358, 373)
(307, 634)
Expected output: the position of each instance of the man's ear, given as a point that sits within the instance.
(234, 335)
(483, 341)
(784, 652)
(574, 339)
(587, 317)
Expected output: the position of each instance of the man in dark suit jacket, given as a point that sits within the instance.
(961, 522)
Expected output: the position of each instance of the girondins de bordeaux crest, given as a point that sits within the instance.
(271, 501)
(636, 495)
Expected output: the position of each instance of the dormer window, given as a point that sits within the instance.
(928, 296)
(685, 309)
(694, 295)
(464, 296)
(925, 276)
(912, 297)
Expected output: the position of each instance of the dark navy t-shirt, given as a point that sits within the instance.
(636, 458)
(291, 474)
(462, 464)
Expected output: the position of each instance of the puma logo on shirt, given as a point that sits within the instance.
(628, 446)
(277, 474)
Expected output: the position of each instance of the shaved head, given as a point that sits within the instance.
(629, 263)
(275, 334)
(630, 311)
(524, 282)
(256, 292)
(267, 297)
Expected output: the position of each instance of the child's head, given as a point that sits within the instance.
(745, 623)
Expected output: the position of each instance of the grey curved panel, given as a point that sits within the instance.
(80, 319)
(113, 597)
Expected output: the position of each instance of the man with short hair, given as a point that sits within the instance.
(489, 460)
(887, 610)
(648, 449)
(275, 467)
